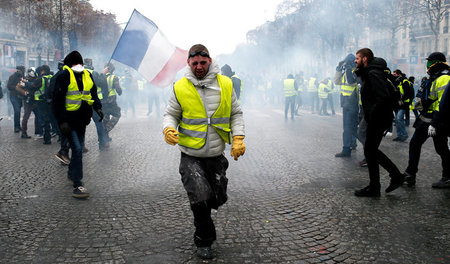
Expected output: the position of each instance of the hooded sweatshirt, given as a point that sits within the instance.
(209, 91)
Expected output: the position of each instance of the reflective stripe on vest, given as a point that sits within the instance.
(99, 89)
(194, 122)
(347, 89)
(312, 85)
(322, 93)
(74, 96)
(289, 88)
(437, 89)
(41, 91)
(110, 81)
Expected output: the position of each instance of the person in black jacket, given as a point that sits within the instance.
(74, 97)
(378, 113)
(407, 93)
(15, 97)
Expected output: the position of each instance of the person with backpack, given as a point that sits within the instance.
(431, 122)
(378, 113)
(40, 86)
(407, 94)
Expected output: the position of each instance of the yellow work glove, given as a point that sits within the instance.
(171, 135)
(237, 147)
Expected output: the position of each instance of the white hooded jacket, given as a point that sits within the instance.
(209, 91)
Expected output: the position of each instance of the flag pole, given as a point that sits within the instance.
(110, 58)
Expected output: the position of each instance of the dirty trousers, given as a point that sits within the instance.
(205, 183)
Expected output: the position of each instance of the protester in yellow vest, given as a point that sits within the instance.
(74, 97)
(323, 96)
(109, 101)
(203, 108)
(290, 94)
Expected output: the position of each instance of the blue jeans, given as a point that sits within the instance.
(101, 131)
(400, 124)
(17, 105)
(350, 120)
(76, 141)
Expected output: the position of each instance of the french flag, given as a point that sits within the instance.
(144, 47)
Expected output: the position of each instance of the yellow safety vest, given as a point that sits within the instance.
(330, 86)
(74, 96)
(400, 87)
(312, 85)
(41, 91)
(436, 91)
(289, 88)
(110, 82)
(194, 122)
(99, 89)
(322, 93)
(346, 88)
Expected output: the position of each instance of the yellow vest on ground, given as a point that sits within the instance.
(74, 96)
(289, 88)
(194, 122)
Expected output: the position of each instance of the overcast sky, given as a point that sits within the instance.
(219, 25)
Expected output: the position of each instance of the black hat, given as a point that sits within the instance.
(73, 58)
(439, 56)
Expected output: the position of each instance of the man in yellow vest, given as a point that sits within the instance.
(313, 86)
(290, 93)
(346, 78)
(74, 97)
(407, 93)
(430, 122)
(201, 116)
(109, 101)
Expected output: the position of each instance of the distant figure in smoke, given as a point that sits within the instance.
(74, 97)
(346, 78)
(378, 113)
(109, 102)
(130, 87)
(237, 83)
(26, 88)
(204, 108)
(299, 100)
(153, 96)
(313, 96)
(103, 137)
(323, 96)
(290, 93)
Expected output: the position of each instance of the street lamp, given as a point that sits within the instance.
(39, 50)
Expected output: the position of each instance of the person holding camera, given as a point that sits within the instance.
(26, 88)
(346, 78)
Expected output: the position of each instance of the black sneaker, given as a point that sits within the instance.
(204, 252)
(367, 192)
(342, 155)
(410, 179)
(363, 163)
(80, 192)
(395, 183)
(442, 184)
(85, 150)
(24, 135)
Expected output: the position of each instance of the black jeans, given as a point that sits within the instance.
(206, 185)
(440, 145)
(374, 156)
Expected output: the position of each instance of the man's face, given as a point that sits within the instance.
(199, 65)
(395, 74)
(360, 61)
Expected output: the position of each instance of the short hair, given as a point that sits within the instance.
(110, 66)
(366, 52)
(44, 68)
(399, 72)
(198, 48)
